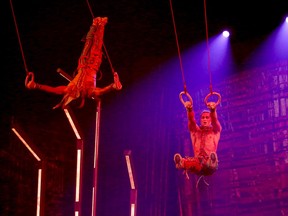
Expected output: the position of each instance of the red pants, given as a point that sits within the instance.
(201, 165)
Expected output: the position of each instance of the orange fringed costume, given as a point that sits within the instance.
(83, 84)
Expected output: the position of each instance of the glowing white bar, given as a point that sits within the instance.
(26, 144)
(77, 134)
(38, 200)
(64, 74)
(39, 192)
(93, 199)
(130, 172)
(76, 213)
(132, 210)
(78, 175)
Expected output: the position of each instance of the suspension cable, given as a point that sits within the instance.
(208, 60)
(178, 47)
(207, 44)
(19, 40)
(105, 50)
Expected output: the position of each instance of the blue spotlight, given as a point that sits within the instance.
(226, 34)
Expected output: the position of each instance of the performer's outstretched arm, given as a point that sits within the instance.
(114, 86)
(31, 84)
(214, 117)
(192, 125)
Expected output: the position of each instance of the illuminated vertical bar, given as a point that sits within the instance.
(72, 120)
(41, 168)
(95, 164)
(133, 191)
(133, 202)
(39, 192)
(80, 146)
(78, 192)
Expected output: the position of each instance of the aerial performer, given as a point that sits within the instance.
(204, 137)
(83, 84)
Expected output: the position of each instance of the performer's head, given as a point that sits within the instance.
(205, 118)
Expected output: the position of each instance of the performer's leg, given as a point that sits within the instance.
(189, 164)
(92, 52)
(192, 165)
(32, 85)
(210, 165)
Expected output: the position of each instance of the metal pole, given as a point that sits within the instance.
(96, 147)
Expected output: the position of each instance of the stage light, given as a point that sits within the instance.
(286, 19)
(226, 34)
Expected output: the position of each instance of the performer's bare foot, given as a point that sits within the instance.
(100, 21)
(29, 81)
(117, 84)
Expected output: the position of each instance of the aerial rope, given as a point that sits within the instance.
(19, 40)
(208, 60)
(185, 92)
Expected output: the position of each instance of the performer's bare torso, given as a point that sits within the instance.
(205, 139)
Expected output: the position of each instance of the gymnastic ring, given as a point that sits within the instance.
(209, 95)
(187, 95)
(29, 78)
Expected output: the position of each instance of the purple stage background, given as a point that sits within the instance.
(252, 178)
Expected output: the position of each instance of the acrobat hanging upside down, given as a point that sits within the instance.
(204, 139)
(83, 85)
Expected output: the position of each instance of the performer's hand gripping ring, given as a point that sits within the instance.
(187, 95)
(209, 95)
(29, 78)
